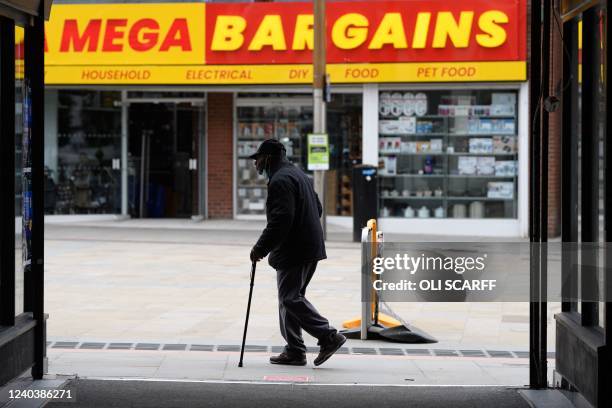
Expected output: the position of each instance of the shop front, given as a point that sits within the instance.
(89, 133)
(434, 95)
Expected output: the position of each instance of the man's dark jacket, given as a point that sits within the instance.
(293, 234)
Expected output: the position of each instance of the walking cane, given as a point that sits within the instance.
(246, 322)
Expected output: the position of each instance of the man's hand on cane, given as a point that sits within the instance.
(255, 257)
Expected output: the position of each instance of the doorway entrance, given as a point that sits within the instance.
(164, 143)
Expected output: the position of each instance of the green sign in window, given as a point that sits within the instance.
(318, 151)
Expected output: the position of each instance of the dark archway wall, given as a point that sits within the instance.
(22, 335)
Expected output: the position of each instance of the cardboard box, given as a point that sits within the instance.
(423, 147)
(389, 127)
(504, 144)
(435, 145)
(506, 168)
(408, 147)
(424, 127)
(485, 166)
(467, 165)
(389, 144)
(500, 189)
(485, 126)
(503, 110)
(407, 125)
(508, 126)
(481, 145)
(388, 166)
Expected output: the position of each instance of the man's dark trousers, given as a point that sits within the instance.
(295, 311)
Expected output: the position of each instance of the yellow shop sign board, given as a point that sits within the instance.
(286, 74)
(271, 43)
(125, 34)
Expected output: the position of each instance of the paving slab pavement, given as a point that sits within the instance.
(180, 282)
(340, 369)
(113, 281)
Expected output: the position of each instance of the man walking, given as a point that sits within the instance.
(294, 240)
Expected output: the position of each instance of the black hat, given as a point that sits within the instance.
(271, 147)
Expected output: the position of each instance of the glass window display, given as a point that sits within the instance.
(448, 154)
(344, 127)
(288, 118)
(289, 123)
(86, 177)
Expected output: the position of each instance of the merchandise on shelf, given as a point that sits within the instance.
(424, 126)
(476, 209)
(459, 211)
(505, 98)
(388, 166)
(487, 126)
(435, 145)
(244, 130)
(467, 165)
(504, 144)
(500, 189)
(280, 130)
(407, 125)
(390, 144)
(458, 100)
(481, 145)
(424, 212)
(485, 166)
(476, 110)
(423, 147)
(440, 163)
(420, 104)
(389, 127)
(401, 126)
(506, 168)
(502, 110)
(408, 147)
(428, 166)
(247, 148)
(402, 104)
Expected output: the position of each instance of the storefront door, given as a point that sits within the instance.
(164, 138)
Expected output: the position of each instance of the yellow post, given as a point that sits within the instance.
(382, 318)
(373, 253)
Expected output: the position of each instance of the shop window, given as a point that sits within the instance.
(82, 171)
(344, 128)
(288, 122)
(448, 154)
(288, 118)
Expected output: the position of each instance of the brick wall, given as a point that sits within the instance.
(554, 126)
(554, 134)
(219, 133)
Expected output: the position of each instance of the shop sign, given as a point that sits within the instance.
(318, 151)
(125, 34)
(367, 31)
(271, 43)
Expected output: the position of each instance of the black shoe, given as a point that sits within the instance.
(288, 359)
(328, 348)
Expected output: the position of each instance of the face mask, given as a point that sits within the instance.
(264, 167)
